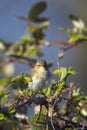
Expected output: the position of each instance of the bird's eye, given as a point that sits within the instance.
(38, 65)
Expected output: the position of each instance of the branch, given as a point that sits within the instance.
(20, 59)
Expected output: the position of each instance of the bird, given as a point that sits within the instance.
(39, 76)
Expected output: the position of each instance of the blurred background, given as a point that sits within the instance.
(12, 29)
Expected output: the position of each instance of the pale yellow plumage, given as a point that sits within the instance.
(39, 75)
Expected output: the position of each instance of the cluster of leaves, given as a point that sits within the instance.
(79, 31)
(54, 102)
(30, 44)
(77, 34)
(34, 39)
(62, 106)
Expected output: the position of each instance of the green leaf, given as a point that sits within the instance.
(48, 92)
(75, 119)
(44, 25)
(20, 81)
(71, 71)
(73, 17)
(76, 92)
(74, 38)
(31, 51)
(57, 71)
(39, 53)
(11, 110)
(2, 116)
(32, 28)
(60, 87)
(63, 73)
(27, 79)
(84, 110)
(15, 78)
(27, 39)
(3, 83)
(4, 99)
(39, 19)
(37, 9)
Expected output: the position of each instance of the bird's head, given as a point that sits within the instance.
(41, 64)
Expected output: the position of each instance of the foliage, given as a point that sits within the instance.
(61, 104)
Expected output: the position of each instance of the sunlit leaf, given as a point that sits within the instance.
(11, 110)
(60, 87)
(48, 91)
(71, 71)
(14, 78)
(84, 110)
(31, 51)
(31, 28)
(27, 79)
(44, 25)
(27, 39)
(3, 82)
(76, 92)
(78, 23)
(2, 117)
(57, 72)
(63, 73)
(75, 119)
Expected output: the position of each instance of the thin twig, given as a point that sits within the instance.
(20, 59)
(52, 120)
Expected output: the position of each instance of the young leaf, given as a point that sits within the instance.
(27, 79)
(71, 71)
(32, 28)
(2, 116)
(57, 72)
(78, 23)
(63, 73)
(44, 25)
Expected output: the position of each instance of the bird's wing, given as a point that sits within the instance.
(31, 73)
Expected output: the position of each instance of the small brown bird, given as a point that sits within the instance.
(39, 75)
